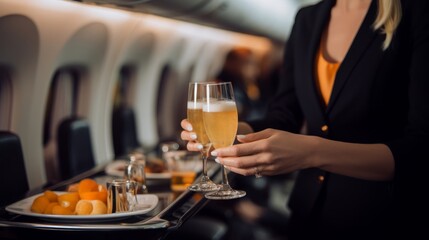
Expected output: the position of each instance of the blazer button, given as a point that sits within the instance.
(321, 178)
(324, 128)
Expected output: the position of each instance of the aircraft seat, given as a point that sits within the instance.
(12, 169)
(74, 147)
(124, 130)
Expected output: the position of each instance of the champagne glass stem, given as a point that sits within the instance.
(205, 184)
(224, 177)
(205, 156)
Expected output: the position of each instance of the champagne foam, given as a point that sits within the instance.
(221, 106)
(195, 105)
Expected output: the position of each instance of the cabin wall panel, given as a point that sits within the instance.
(59, 44)
(47, 35)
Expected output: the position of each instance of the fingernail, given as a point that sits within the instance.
(193, 136)
(214, 153)
(241, 136)
(200, 146)
(217, 160)
(189, 127)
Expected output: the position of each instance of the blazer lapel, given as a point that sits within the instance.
(321, 19)
(363, 38)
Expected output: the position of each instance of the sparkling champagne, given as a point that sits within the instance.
(195, 117)
(221, 122)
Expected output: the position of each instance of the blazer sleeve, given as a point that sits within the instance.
(411, 150)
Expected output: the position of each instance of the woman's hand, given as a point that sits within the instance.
(193, 145)
(189, 136)
(268, 152)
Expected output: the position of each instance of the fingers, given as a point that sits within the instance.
(194, 146)
(189, 136)
(254, 156)
(246, 162)
(250, 166)
(247, 158)
(251, 137)
(252, 145)
(239, 150)
(186, 125)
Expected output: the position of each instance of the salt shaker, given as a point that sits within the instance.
(135, 170)
(121, 195)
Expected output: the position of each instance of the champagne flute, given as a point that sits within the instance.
(195, 117)
(221, 122)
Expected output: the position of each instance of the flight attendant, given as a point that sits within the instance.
(357, 77)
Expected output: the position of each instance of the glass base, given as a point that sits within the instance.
(225, 193)
(204, 186)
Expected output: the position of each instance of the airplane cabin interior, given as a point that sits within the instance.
(85, 82)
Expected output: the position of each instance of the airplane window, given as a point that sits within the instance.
(167, 122)
(5, 98)
(61, 103)
(171, 103)
(124, 126)
(182, 96)
(61, 100)
(122, 88)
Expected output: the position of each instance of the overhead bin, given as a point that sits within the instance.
(268, 18)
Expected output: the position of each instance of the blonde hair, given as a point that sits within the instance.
(388, 18)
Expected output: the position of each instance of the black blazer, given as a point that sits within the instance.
(378, 97)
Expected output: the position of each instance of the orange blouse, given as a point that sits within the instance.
(325, 75)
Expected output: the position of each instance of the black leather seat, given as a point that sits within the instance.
(74, 147)
(124, 130)
(12, 169)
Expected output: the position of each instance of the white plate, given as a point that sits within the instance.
(116, 168)
(22, 207)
